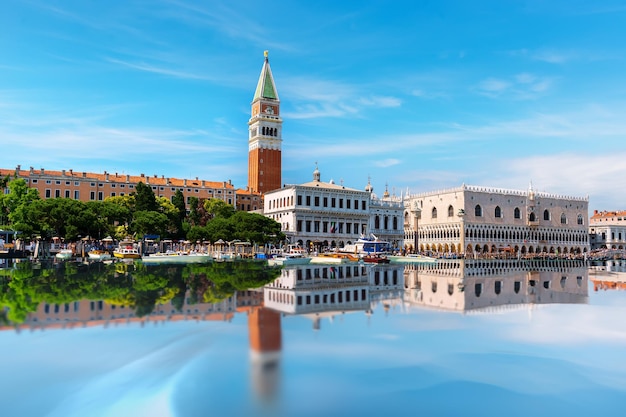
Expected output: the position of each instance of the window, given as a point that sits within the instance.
(48, 193)
(516, 213)
(546, 215)
(317, 201)
(333, 202)
(316, 226)
(348, 201)
(478, 211)
(35, 181)
(58, 182)
(434, 213)
(308, 200)
(57, 193)
(76, 195)
(579, 220)
(563, 218)
(341, 203)
(363, 205)
(498, 212)
(299, 200)
(92, 195)
(325, 201)
(67, 193)
(450, 211)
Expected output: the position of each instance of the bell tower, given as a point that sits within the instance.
(265, 135)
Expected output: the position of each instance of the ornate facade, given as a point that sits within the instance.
(481, 221)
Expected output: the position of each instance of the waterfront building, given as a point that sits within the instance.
(90, 186)
(476, 285)
(321, 215)
(482, 221)
(265, 135)
(607, 230)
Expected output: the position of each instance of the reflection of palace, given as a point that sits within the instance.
(318, 291)
(470, 285)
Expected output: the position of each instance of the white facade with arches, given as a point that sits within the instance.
(482, 221)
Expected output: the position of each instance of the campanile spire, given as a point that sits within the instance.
(265, 134)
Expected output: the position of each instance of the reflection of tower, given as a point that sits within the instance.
(265, 345)
(265, 135)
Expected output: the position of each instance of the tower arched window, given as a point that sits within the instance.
(434, 213)
(516, 213)
(546, 215)
(450, 211)
(478, 211)
(498, 212)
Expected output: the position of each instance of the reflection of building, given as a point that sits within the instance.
(607, 230)
(328, 215)
(87, 313)
(610, 275)
(480, 220)
(265, 344)
(468, 285)
(318, 291)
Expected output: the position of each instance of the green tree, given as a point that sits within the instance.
(144, 198)
(149, 222)
(256, 228)
(218, 208)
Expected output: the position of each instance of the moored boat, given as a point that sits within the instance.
(64, 254)
(334, 258)
(127, 250)
(375, 259)
(98, 255)
(176, 258)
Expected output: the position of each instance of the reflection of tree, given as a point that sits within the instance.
(137, 286)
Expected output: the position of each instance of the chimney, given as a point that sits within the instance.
(71, 172)
(63, 172)
(167, 181)
(18, 168)
(185, 182)
(32, 170)
(106, 176)
(127, 178)
(84, 174)
(42, 171)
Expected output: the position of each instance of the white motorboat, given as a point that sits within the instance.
(411, 258)
(64, 254)
(176, 258)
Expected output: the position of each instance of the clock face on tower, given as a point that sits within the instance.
(268, 109)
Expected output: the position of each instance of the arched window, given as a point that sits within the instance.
(434, 213)
(498, 212)
(546, 215)
(516, 213)
(450, 211)
(580, 219)
(563, 219)
(478, 211)
(532, 217)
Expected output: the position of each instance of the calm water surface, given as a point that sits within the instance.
(460, 338)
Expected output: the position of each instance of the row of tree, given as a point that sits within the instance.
(137, 214)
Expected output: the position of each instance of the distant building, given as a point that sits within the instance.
(481, 221)
(323, 215)
(607, 230)
(265, 135)
(90, 186)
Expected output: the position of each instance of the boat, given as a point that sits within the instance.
(64, 254)
(367, 246)
(292, 255)
(98, 255)
(171, 257)
(375, 259)
(411, 258)
(127, 250)
(334, 258)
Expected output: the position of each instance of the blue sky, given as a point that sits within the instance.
(418, 95)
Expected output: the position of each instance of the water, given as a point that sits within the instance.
(483, 338)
